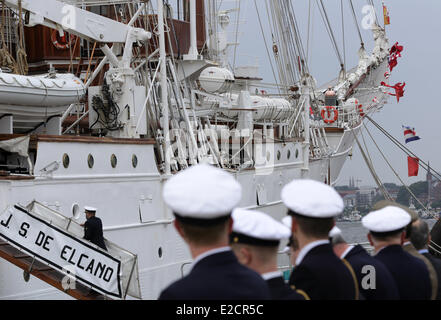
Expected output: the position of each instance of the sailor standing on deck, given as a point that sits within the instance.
(202, 199)
(386, 235)
(93, 228)
(374, 279)
(255, 240)
(318, 271)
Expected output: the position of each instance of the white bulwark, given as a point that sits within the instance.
(61, 250)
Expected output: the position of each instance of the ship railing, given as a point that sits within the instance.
(348, 115)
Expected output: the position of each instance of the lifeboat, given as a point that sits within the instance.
(34, 99)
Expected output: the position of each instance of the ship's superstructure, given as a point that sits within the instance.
(140, 95)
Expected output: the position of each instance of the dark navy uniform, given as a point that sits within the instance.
(324, 276)
(385, 287)
(279, 290)
(93, 231)
(219, 276)
(436, 263)
(410, 273)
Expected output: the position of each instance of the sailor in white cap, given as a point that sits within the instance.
(255, 240)
(202, 199)
(93, 228)
(386, 234)
(408, 246)
(380, 285)
(318, 271)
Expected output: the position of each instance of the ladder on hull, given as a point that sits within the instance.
(48, 245)
(47, 274)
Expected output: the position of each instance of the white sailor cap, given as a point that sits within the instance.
(334, 232)
(91, 209)
(202, 195)
(257, 228)
(386, 220)
(312, 199)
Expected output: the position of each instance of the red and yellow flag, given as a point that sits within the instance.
(386, 15)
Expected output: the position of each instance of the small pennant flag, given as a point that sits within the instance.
(413, 166)
(398, 87)
(410, 134)
(386, 15)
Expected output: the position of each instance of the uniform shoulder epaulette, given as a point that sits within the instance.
(303, 293)
(354, 278)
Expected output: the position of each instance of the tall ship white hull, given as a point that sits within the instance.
(123, 173)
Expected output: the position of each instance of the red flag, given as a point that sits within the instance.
(394, 54)
(399, 89)
(413, 166)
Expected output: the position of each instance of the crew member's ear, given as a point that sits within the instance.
(246, 257)
(369, 236)
(403, 237)
(230, 225)
(179, 228)
(294, 225)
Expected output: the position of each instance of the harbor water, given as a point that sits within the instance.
(354, 232)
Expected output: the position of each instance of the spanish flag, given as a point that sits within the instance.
(386, 15)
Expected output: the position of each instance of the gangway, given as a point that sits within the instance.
(45, 244)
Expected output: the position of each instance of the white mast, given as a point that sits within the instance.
(164, 98)
(193, 51)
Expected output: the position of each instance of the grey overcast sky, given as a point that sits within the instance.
(416, 26)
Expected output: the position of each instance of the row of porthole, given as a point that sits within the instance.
(91, 161)
(288, 155)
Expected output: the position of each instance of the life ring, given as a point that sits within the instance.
(328, 110)
(360, 110)
(60, 42)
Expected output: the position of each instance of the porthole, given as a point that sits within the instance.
(134, 161)
(268, 156)
(75, 210)
(113, 161)
(297, 153)
(160, 252)
(66, 160)
(288, 155)
(278, 155)
(90, 161)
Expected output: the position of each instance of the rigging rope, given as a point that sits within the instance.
(343, 34)
(6, 59)
(422, 164)
(325, 18)
(356, 23)
(372, 170)
(266, 47)
(237, 35)
(393, 170)
(22, 63)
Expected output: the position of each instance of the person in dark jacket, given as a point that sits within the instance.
(255, 240)
(202, 199)
(409, 247)
(386, 235)
(93, 228)
(420, 239)
(318, 271)
(374, 280)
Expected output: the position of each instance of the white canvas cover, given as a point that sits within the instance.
(18, 145)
